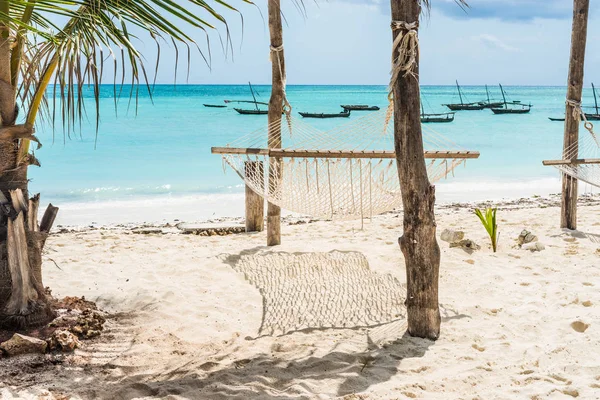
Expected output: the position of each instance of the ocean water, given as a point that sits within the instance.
(155, 163)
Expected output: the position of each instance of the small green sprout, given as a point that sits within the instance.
(489, 223)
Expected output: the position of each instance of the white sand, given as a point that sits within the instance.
(184, 322)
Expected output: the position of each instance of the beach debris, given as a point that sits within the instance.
(451, 236)
(209, 229)
(536, 246)
(63, 340)
(526, 237)
(148, 231)
(84, 324)
(21, 344)
(579, 326)
(466, 244)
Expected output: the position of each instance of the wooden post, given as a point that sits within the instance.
(255, 203)
(568, 217)
(418, 242)
(275, 110)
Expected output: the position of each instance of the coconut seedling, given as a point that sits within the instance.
(488, 219)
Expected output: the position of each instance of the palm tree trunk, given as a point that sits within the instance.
(418, 242)
(275, 110)
(23, 303)
(574, 87)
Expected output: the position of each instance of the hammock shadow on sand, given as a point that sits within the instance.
(313, 291)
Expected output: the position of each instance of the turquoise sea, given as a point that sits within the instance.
(161, 153)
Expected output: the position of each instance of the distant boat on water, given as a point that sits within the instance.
(596, 116)
(359, 107)
(439, 118)
(462, 106)
(343, 114)
(242, 111)
(513, 107)
(215, 105)
(251, 112)
(588, 116)
(488, 103)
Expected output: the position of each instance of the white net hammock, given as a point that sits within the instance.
(581, 160)
(347, 172)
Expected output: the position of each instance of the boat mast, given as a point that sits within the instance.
(595, 99)
(422, 109)
(503, 96)
(488, 94)
(252, 91)
(459, 95)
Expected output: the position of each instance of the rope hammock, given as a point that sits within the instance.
(319, 179)
(581, 160)
(347, 172)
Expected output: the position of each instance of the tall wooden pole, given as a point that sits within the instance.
(418, 242)
(275, 110)
(568, 217)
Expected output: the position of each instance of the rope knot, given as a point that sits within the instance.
(403, 25)
(578, 113)
(405, 51)
(287, 107)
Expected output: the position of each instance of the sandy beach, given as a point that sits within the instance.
(184, 316)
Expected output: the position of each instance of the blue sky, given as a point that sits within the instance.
(516, 42)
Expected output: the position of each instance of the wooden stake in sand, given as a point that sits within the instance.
(418, 242)
(255, 203)
(275, 110)
(568, 218)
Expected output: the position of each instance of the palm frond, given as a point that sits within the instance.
(73, 57)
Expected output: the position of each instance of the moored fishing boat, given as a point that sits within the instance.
(489, 103)
(592, 116)
(438, 118)
(462, 106)
(517, 107)
(343, 114)
(359, 107)
(257, 111)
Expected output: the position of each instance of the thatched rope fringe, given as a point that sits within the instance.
(578, 113)
(405, 50)
(287, 107)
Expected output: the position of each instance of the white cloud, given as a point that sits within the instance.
(494, 42)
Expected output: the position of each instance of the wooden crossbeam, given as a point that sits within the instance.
(286, 153)
(576, 161)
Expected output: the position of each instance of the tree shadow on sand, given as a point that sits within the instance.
(267, 376)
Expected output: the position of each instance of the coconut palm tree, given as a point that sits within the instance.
(35, 53)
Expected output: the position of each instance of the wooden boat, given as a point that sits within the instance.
(245, 101)
(359, 107)
(596, 116)
(462, 106)
(251, 112)
(444, 117)
(215, 105)
(556, 119)
(257, 111)
(343, 114)
(488, 103)
(505, 109)
(441, 117)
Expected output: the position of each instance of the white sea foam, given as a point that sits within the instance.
(199, 207)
